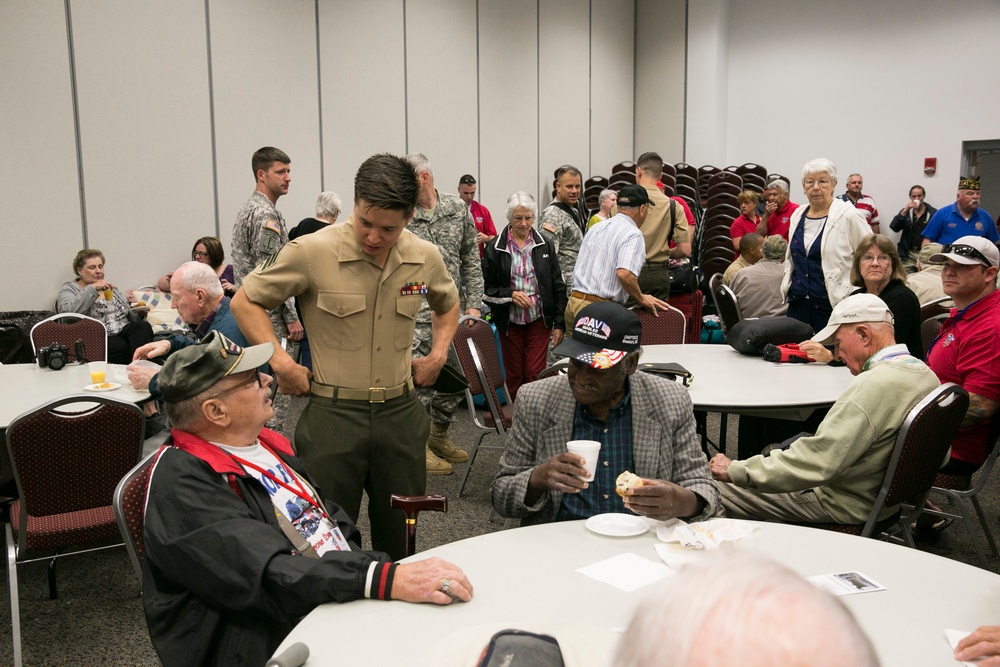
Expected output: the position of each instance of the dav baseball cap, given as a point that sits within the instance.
(854, 310)
(193, 369)
(604, 332)
(634, 196)
(969, 250)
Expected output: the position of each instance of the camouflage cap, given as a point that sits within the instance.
(193, 369)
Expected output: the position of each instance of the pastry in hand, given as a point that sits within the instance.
(626, 481)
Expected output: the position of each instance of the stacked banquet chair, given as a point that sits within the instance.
(592, 189)
(715, 245)
(622, 174)
(754, 177)
(686, 185)
(668, 176)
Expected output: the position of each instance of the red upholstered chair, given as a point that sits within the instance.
(477, 352)
(921, 444)
(67, 328)
(667, 327)
(68, 456)
(129, 504)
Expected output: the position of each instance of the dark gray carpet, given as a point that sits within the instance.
(97, 619)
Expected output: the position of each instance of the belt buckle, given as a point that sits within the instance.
(374, 396)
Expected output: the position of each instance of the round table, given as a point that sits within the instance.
(24, 387)
(729, 382)
(526, 578)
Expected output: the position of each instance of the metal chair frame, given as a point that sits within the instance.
(470, 357)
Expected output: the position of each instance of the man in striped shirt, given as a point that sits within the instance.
(611, 258)
(862, 202)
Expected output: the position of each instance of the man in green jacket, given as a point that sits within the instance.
(834, 475)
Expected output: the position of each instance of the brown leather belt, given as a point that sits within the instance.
(372, 394)
(587, 297)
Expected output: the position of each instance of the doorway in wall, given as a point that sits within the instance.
(981, 159)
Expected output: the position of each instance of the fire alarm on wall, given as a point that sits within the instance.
(930, 165)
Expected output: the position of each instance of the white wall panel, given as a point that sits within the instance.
(266, 94)
(563, 89)
(508, 103)
(442, 120)
(40, 218)
(707, 82)
(659, 78)
(363, 84)
(142, 78)
(911, 80)
(612, 90)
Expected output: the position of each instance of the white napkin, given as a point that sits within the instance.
(955, 636)
(626, 572)
(703, 534)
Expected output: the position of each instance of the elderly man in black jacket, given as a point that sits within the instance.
(239, 544)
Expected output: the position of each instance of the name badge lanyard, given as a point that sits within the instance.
(300, 491)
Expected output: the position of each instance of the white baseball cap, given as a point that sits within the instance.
(854, 309)
(969, 250)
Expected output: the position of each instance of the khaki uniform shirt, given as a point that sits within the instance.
(656, 229)
(359, 316)
(734, 268)
(926, 284)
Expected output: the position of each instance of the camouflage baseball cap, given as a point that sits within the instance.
(193, 369)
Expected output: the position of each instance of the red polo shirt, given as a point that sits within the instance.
(966, 353)
(484, 221)
(779, 222)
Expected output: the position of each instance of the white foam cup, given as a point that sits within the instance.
(589, 450)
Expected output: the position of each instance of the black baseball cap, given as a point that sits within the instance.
(634, 196)
(604, 332)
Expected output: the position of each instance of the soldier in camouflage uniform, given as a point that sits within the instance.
(560, 221)
(444, 220)
(258, 235)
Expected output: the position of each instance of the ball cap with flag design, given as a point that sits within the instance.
(604, 332)
(855, 309)
(193, 369)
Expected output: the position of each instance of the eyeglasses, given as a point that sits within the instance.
(963, 250)
(254, 378)
(467, 180)
(199, 253)
(881, 259)
(821, 182)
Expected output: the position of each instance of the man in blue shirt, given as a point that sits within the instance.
(963, 218)
(645, 425)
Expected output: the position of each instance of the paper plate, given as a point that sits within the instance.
(617, 525)
(106, 386)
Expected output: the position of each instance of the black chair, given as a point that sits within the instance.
(724, 187)
(725, 177)
(726, 305)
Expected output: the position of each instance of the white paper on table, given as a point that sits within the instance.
(708, 534)
(955, 636)
(626, 572)
(845, 583)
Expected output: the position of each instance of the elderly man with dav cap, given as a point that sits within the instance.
(645, 424)
(239, 544)
(834, 475)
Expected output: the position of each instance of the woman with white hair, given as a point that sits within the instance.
(526, 292)
(606, 201)
(327, 210)
(822, 237)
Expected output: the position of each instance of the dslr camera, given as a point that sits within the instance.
(54, 356)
